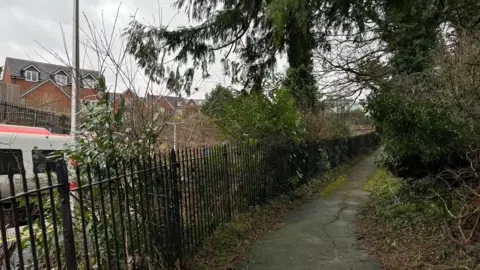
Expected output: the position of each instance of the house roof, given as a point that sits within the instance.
(199, 102)
(16, 66)
(115, 95)
(173, 101)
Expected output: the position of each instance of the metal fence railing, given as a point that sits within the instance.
(22, 115)
(152, 212)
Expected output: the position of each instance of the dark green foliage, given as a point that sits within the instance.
(237, 27)
(301, 84)
(256, 31)
(254, 117)
(428, 118)
(411, 101)
(419, 135)
(216, 100)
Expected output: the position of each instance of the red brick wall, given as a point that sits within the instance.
(192, 107)
(6, 75)
(88, 94)
(48, 97)
(164, 103)
(127, 95)
(192, 104)
(24, 85)
(85, 93)
(116, 102)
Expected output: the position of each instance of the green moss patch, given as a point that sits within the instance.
(382, 181)
(333, 185)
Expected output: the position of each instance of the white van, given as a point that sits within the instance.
(30, 146)
(27, 146)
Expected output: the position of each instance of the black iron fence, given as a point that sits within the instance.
(21, 115)
(152, 212)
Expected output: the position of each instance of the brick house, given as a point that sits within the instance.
(165, 104)
(175, 105)
(128, 95)
(47, 86)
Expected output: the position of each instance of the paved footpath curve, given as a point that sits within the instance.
(320, 234)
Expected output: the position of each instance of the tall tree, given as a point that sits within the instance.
(258, 30)
(255, 30)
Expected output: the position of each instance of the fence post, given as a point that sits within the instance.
(306, 173)
(350, 152)
(229, 188)
(34, 118)
(5, 107)
(176, 225)
(66, 212)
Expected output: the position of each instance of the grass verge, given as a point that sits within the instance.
(402, 226)
(229, 244)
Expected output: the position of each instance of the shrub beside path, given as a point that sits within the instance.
(320, 234)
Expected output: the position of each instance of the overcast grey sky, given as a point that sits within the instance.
(27, 25)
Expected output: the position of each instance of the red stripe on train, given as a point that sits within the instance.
(24, 130)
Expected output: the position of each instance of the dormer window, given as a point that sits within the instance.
(31, 76)
(89, 82)
(61, 79)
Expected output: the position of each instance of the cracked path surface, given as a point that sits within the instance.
(320, 234)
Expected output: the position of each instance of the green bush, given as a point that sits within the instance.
(254, 117)
(418, 135)
(429, 119)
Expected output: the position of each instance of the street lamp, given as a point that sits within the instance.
(175, 133)
(75, 71)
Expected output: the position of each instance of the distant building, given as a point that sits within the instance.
(165, 104)
(47, 86)
(199, 102)
(175, 105)
(128, 95)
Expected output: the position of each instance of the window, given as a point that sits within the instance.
(31, 76)
(40, 160)
(162, 110)
(90, 103)
(89, 82)
(10, 159)
(61, 79)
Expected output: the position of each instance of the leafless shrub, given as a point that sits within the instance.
(455, 73)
